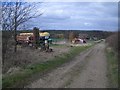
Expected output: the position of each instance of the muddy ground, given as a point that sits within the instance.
(87, 70)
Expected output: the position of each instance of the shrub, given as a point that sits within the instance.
(113, 41)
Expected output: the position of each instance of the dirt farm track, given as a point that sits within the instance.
(87, 70)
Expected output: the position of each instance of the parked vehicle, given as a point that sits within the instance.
(28, 38)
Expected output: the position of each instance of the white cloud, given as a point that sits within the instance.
(62, 0)
(87, 24)
(74, 0)
(73, 15)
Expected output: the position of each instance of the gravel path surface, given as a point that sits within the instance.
(87, 70)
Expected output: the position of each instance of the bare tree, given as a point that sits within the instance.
(6, 25)
(16, 13)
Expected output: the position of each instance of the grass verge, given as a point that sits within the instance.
(11, 80)
(57, 45)
(112, 68)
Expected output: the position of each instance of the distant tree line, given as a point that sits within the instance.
(98, 34)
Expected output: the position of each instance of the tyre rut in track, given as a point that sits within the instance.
(87, 70)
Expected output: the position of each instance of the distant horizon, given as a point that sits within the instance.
(72, 30)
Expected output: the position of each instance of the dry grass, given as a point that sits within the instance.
(112, 54)
(26, 56)
(113, 41)
(10, 80)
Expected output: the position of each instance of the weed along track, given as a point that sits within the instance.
(86, 70)
(53, 45)
(22, 77)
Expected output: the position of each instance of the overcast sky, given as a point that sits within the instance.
(77, 16)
